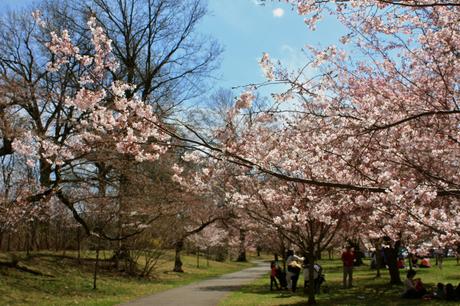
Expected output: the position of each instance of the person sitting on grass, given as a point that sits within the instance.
(449, 292)
(457, 292)
(439, 294)
(425, 263)
(414, 286)
(400, 263)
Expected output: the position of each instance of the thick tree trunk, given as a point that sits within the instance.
(177, 262)
(391, 254)
(45, 172)
(242, 249)
(8, 243)
(311, 278)
(378, 259)
(318, 252)
(410, 261)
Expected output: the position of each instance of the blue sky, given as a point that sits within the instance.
(246, 29)
(12, 3)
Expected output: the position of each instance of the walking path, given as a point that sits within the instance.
(205, 293)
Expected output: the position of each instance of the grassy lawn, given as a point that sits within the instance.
(367, 291)
(71, 284)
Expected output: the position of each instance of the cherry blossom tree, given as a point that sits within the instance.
(373, 131)
(64, 129)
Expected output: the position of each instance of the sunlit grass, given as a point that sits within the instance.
(71, 283)
(368, 290)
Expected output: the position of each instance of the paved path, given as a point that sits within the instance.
(205, 293)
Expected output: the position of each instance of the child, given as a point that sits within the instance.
(273, 272)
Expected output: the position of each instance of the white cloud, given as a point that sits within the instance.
(278, 12)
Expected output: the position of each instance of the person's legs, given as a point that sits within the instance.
(347, 277)
(289, 279)
(295, 277)
(350, 277)
(282, 280)
(316, 282)
(271, 282)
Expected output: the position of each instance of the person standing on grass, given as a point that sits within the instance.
(273, 272)
(348, 257)
(293, 269)
(439, 257)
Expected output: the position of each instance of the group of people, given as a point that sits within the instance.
(415, 289)
(288, 280)
(447, 292)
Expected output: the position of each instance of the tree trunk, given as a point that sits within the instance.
(242, 249)
(311, 278)
(27, 242)
(391, 254)
(378, 259)
(79, 244)
(198, 259)
(177, 262)
(318, 251)
(8, 243)
(96, 265)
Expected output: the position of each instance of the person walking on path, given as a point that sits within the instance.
(348, 257)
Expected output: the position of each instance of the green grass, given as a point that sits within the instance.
(71, 283)
(368, 290)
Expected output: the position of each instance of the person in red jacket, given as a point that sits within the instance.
(273, 272)
(348, 258)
